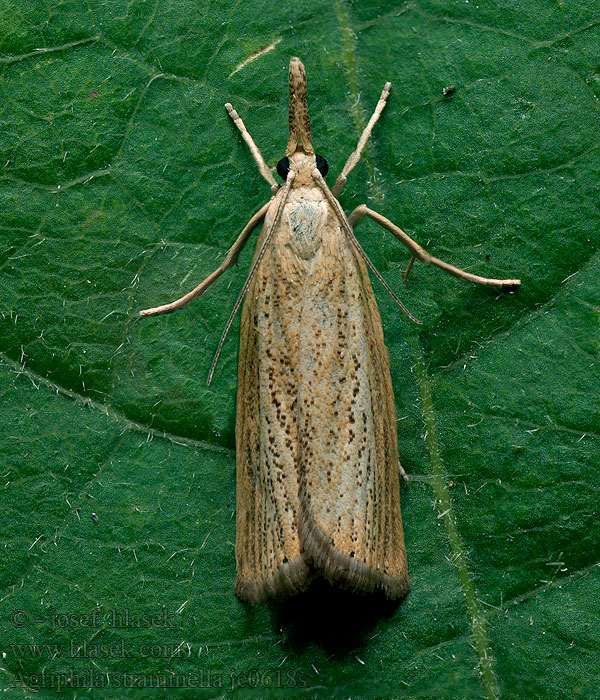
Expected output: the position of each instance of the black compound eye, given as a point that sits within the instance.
(322, 165)
(283, 168)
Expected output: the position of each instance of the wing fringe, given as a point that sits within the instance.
(290, 579)
(344, 571)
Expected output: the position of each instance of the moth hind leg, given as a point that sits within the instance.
(403, 474)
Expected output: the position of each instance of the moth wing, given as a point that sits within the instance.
(350, 520)
(269, 561)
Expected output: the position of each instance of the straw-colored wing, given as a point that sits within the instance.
(268, 554)
(350, 521)
(317, 465)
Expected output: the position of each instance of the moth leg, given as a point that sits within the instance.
(421, 254)
(362, 142)
(403, 474)
(229, 261)
(256, 154)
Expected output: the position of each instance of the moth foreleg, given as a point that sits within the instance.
(421, 254)
(362, 142)
(229, 261)
(256, 154)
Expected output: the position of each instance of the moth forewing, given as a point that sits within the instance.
(350, 523)
(269, 560)
(317, 456)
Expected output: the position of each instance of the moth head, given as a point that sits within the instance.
(303, 165)
(300, 154)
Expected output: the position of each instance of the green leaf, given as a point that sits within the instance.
(124, 183)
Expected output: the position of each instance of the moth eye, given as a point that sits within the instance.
(283, 168)
(322, 165)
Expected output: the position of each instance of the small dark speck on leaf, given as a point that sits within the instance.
(448, 91)
(94, 517)
(487, 256)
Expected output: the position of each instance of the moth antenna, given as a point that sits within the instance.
(346, 226)
(253, 269)
(377, 274)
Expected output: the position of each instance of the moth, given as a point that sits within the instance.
(318, 475)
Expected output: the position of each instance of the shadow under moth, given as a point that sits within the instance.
(318, 474)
